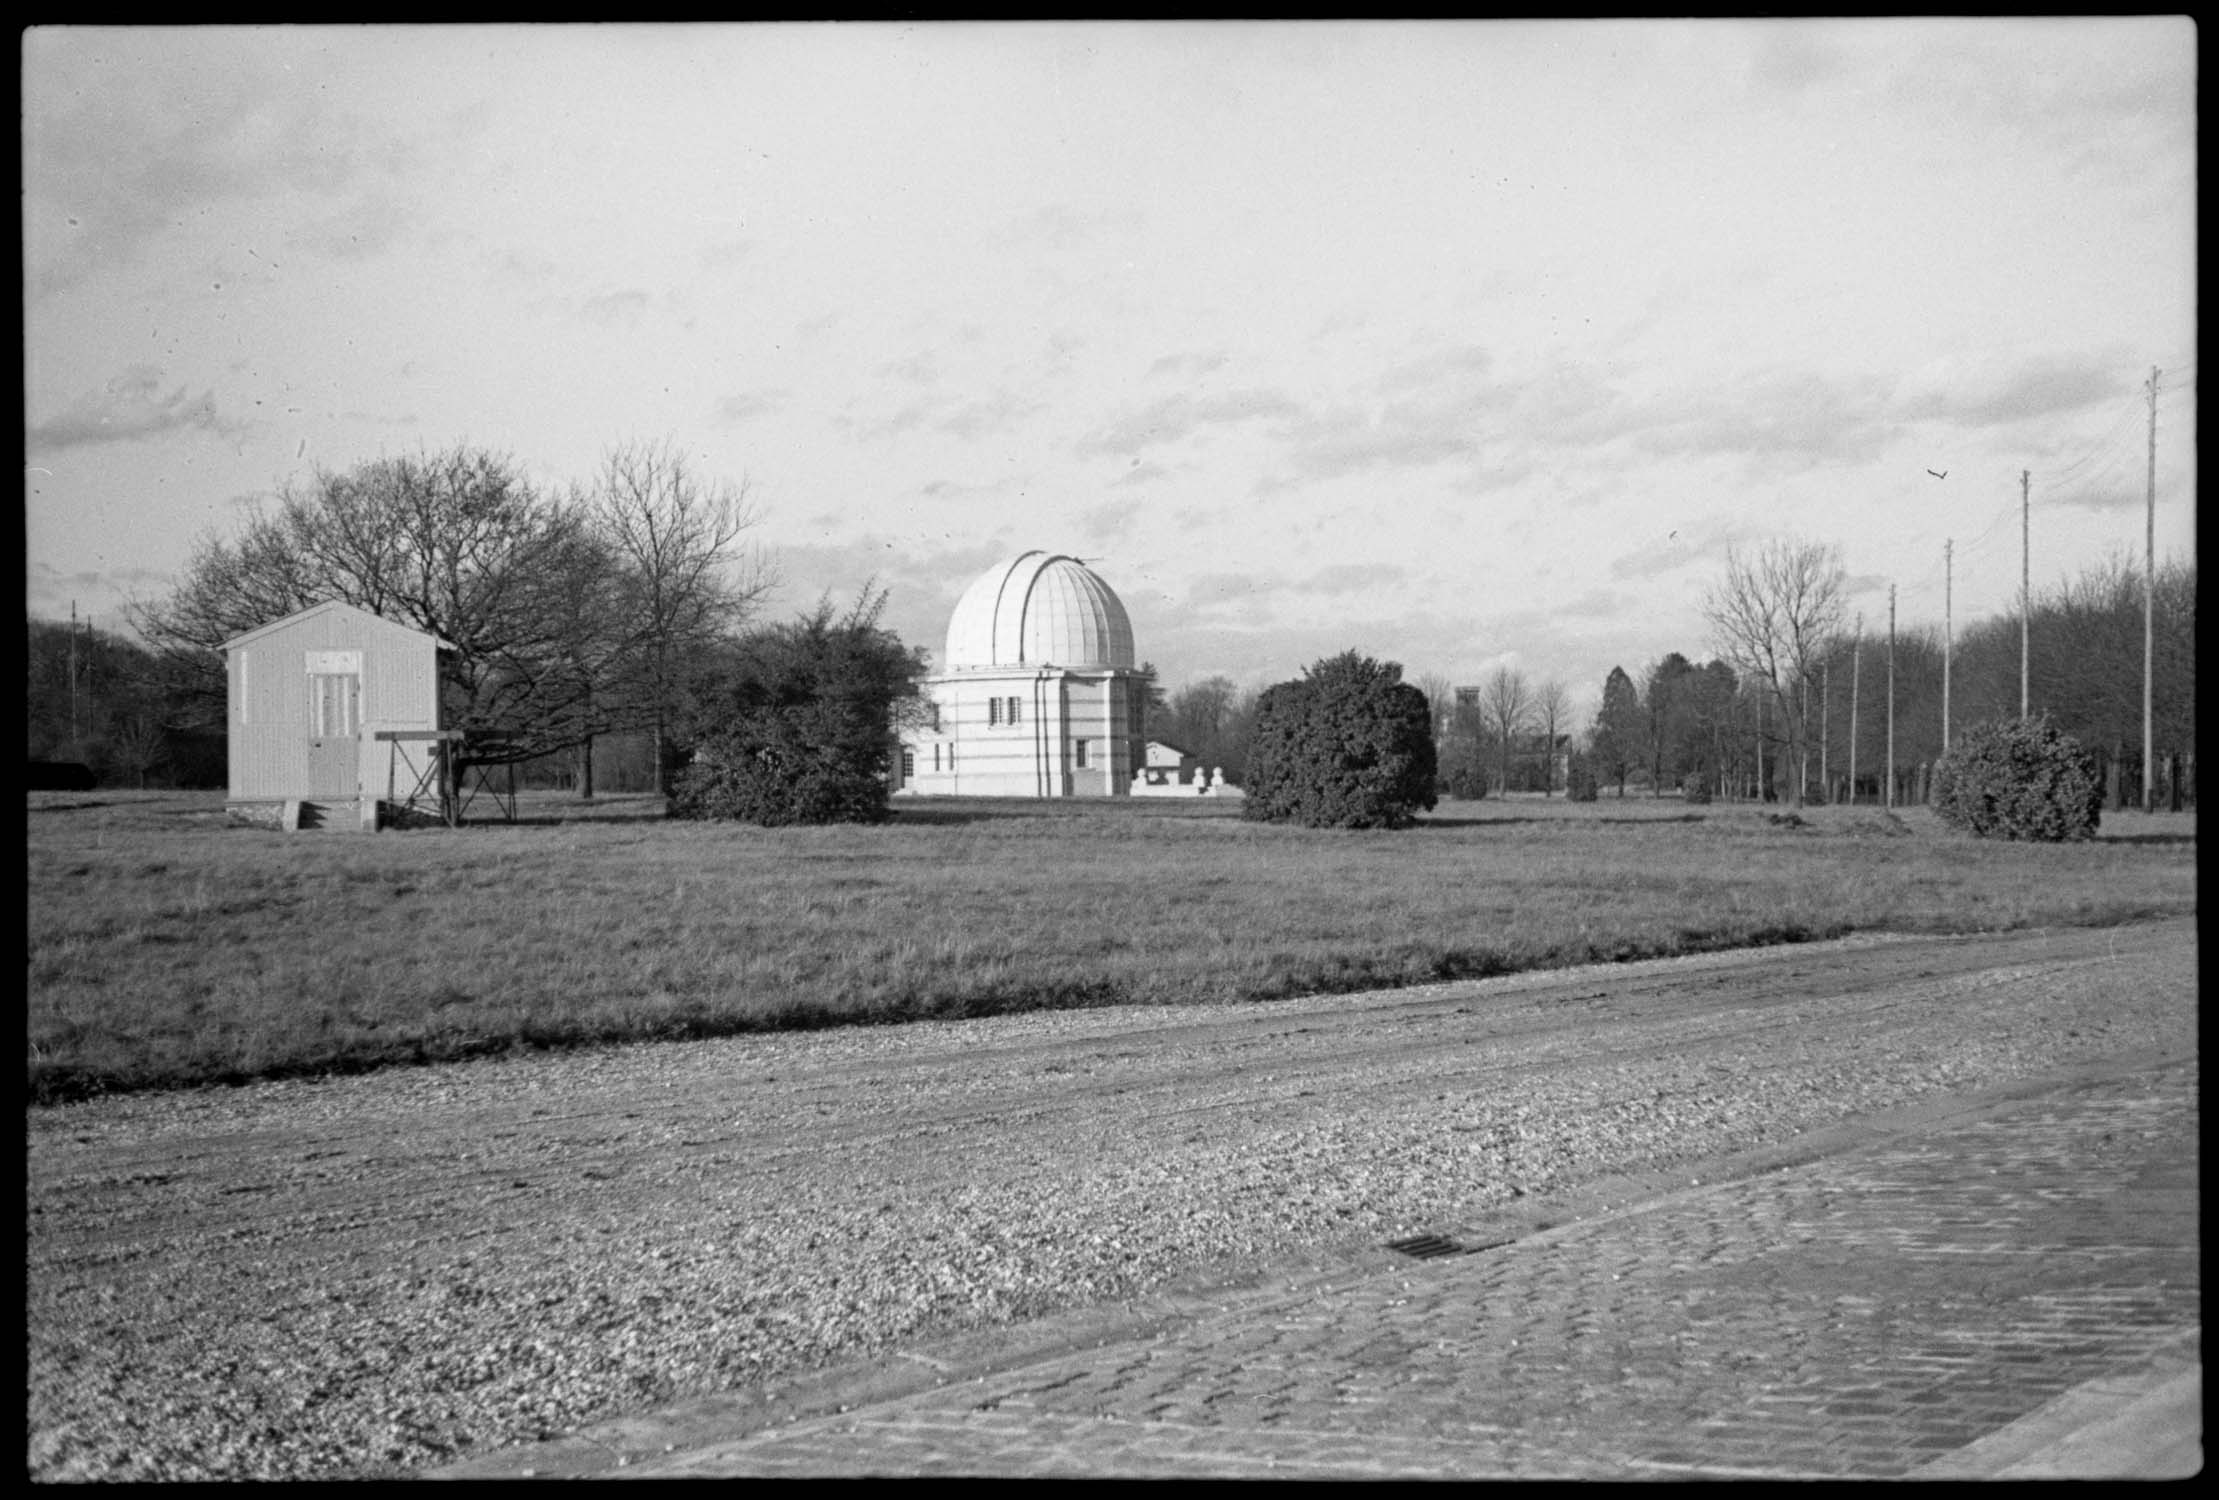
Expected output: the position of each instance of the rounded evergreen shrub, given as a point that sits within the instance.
(809, 763)
(1695, 789)
(2020, 779)
(1348, 745)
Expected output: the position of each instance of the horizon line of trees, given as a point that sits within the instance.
(1828, 716)
(613, 611)
(592, 609)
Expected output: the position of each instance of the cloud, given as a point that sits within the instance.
(1792, 58)
(1673, 547)
(1189, 364)
(996, 413)
(1989, 393)
(1406, 435)
(1172, 419)
(735, 409)
(129, 407)
(1459, 366)
(1354, 578)
(917, 369)
(723, 253)
(948, 491)
(128, 133)
(922, 584)
(1062, 227)
(357, 231)
(1786, 415)
(1140, 473)
(614, 307)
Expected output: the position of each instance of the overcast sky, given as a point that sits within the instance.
(1456, 343)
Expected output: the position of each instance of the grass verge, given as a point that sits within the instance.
(167, 950)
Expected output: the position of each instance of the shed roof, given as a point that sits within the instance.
(334, 606)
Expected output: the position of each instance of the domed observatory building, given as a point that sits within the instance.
(1034, 696)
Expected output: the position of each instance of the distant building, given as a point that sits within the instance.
(1168, 765)
(330, 711)
(1035, 693)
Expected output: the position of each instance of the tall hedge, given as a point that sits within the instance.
(2020, 779)
(1347, 745)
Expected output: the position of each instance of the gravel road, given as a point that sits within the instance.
(370, 1275)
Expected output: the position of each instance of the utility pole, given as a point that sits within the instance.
(1856, 666)
(1825, 708)
(2149, 619)
(1948, 634)
(2026, 588)
(73, 674)
(1891, 695)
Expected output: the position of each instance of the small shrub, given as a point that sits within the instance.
(2020, 779)
(1579, 782)
(1463, 769)
(1695, 789)
(815, 763)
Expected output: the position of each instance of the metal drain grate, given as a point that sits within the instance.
(1427, 1247)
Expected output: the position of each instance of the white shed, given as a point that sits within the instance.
(333, 712)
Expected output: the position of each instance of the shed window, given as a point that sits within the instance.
(334, 705)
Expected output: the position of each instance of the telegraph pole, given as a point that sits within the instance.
(1948, 634)
(73, 673)
(1891, 695)
(2149, 619)
(1856, 663)
(2026, 588)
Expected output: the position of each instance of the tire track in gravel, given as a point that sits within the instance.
(393, 1268)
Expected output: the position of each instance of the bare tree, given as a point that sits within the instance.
(138, 747)
(686, 577)
(455, 543)
(1772, 615)
(1506, 698)
(1440, 694)
(1552, 715)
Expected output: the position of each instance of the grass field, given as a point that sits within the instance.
(168, 950)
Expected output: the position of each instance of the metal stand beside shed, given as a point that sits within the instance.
(423, 755)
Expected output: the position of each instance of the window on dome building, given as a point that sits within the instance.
(1013, 715)
(1078, 751)
(993, 711)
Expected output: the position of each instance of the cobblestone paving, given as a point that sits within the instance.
(1860, 1316)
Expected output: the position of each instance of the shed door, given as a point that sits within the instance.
(334, 722)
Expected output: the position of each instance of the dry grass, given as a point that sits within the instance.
(169, 950)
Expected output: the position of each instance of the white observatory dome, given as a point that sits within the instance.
(1039, 609)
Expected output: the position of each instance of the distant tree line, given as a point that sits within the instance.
(573, 614)
(1733, 731)
(100, 700)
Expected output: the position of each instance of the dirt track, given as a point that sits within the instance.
(382, 1272)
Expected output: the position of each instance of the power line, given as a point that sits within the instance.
(2121, 424)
